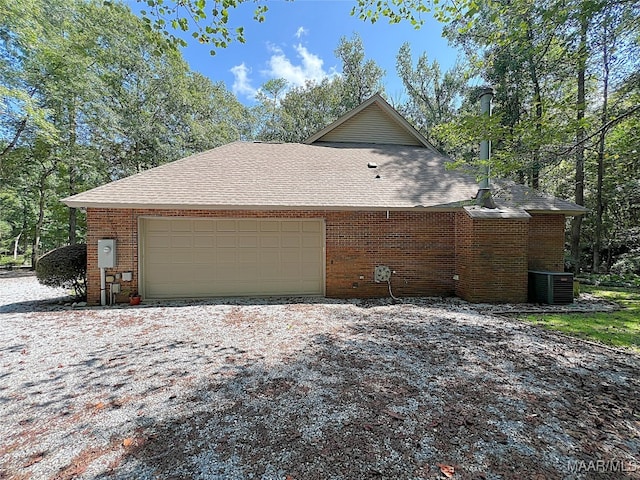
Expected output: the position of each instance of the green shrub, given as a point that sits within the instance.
(65, 267)
(9, 261)
(628, 263)
(628, 280)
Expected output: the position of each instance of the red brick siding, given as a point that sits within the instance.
(491, 259)
(546, 242)
(419, 247)
(425, 249)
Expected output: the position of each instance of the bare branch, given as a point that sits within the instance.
(602, 129)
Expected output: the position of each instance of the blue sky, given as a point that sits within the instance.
(297, 42)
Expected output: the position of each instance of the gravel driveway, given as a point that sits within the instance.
(305, 390)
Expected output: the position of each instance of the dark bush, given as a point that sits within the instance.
(65, 267)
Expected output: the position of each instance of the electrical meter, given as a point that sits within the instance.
(106, 253)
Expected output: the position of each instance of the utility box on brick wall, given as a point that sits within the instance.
(107, 253)
(553, 288)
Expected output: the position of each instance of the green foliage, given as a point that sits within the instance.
(295, 114)
(620, 328)
(92, 96)
(434, 98)
(65, 267)
(208, 20)
(622, 280)
(5, 236)
(627, 263)
(361, 78)
(9, 261)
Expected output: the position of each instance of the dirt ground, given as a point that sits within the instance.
(306, 389)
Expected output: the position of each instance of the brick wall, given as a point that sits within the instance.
(490, 257)
(419, 247)
(546, 242)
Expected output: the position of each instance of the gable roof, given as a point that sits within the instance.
(365, 174)
(373, 121)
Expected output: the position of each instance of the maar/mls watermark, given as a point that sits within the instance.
(603, 466)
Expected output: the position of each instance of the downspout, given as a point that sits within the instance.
(483, 197)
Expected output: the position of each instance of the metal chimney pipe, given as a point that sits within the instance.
(483, 197)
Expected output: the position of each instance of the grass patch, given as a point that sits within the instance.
(620, 329)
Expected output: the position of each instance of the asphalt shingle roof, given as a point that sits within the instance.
(336, 176)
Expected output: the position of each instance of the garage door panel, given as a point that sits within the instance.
(247, 225)
(290, 270)
(290, 255)
(270, 255)
(312, 227)
(311, 241)
(270, 241)
(181, 241)
(247, 255)
(206, 256)
(311, 256)
(292, 226)
(270, 270)
(226, 255)
(289, 240)
(182, 256)
(250, 241)
(310, 270)
(204, 226)
(207, 241)
(158, 272)
(157, 225)
(270, 226)
(181, 226)
(213, 257)
(226, 225)
(310, 286)
(157, 241)
(226, 241)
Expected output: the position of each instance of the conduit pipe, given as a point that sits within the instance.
(103, 286)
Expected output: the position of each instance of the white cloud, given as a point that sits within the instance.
(310, 67)
(301, 31)
(242, 83)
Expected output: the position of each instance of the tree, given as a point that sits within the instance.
(91, 96)
(546, 60)
(434, 97)
(361, 78)
(293, 115)
(268, 111)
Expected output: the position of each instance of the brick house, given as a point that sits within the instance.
(317, 218)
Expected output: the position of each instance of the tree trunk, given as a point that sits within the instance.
(15, 246)
(73, 213)
(37, 230)
(576, 224)
(597, 241)
(537, 101)
(42, 203)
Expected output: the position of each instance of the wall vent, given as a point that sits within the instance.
(553, 288)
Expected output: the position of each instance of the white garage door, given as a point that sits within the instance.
(188, 258)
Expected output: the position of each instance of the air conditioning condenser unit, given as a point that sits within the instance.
(553, 288)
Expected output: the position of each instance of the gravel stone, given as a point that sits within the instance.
(305, 388)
